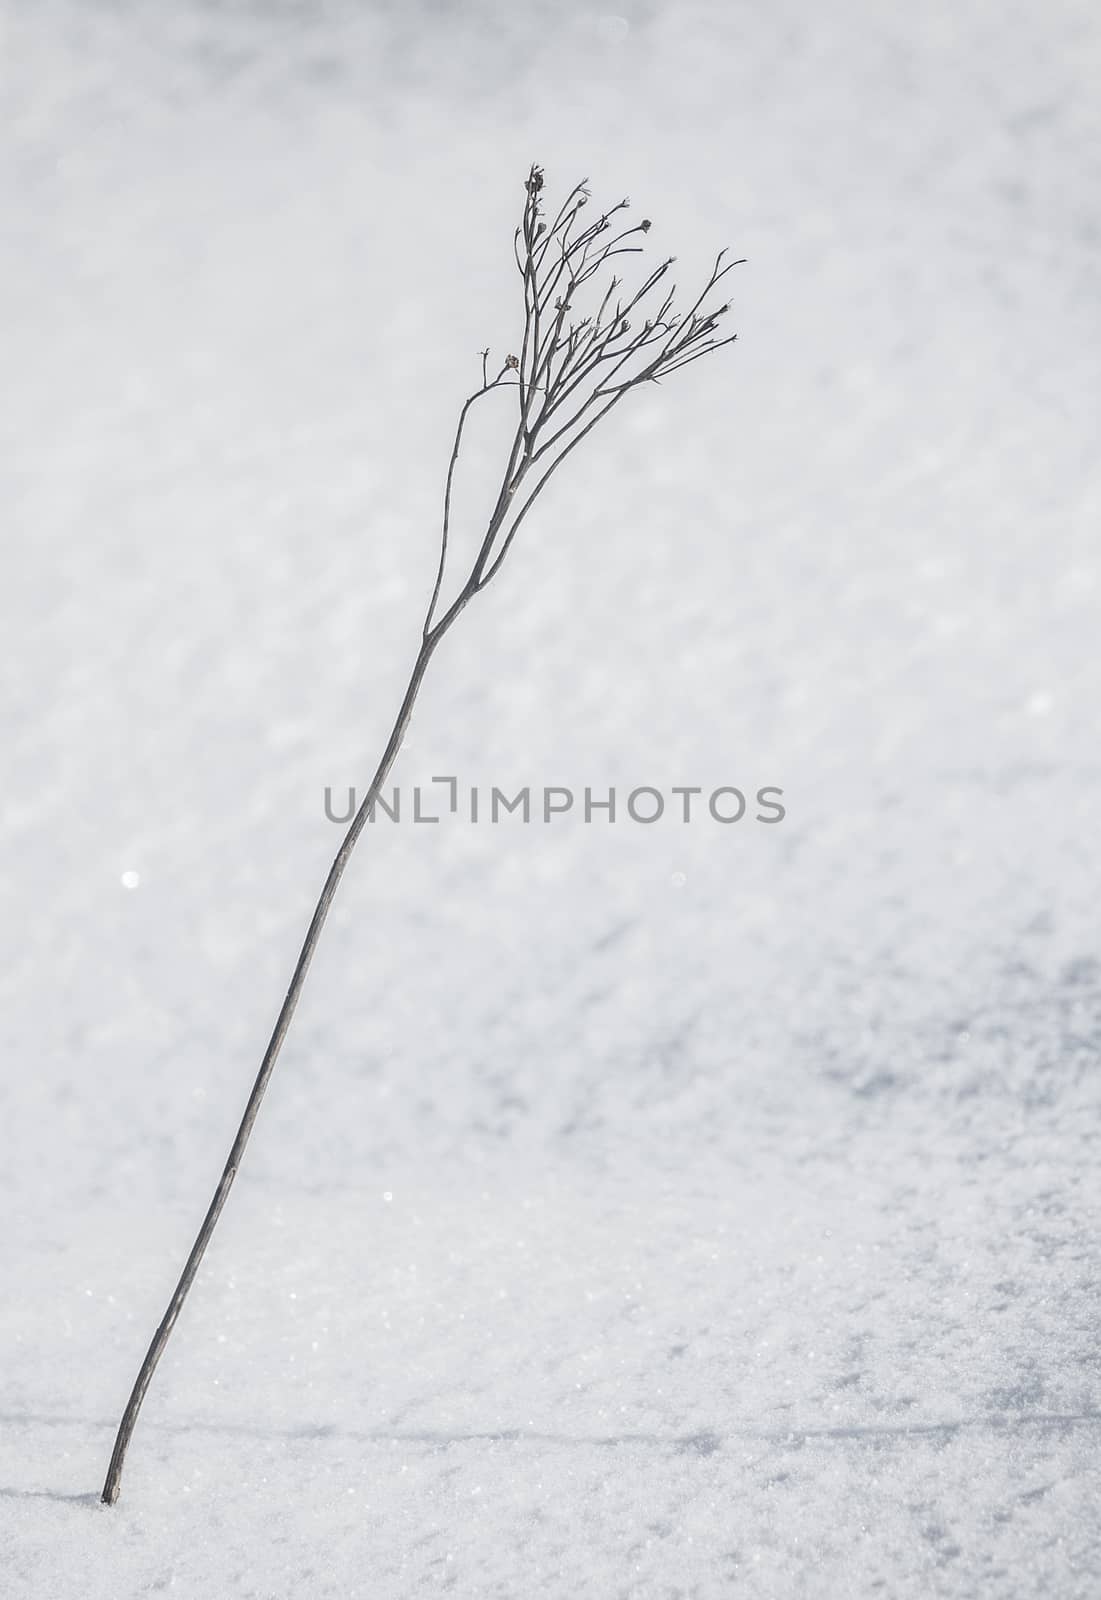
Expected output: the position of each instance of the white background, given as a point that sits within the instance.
(636, 1211)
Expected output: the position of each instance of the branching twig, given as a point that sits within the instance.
(574, 369)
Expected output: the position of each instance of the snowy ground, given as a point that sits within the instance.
(637, 1211)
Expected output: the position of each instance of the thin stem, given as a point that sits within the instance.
(445, 532)
(484, 577)
(271, 1055)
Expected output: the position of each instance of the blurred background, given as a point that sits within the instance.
(820, 1098)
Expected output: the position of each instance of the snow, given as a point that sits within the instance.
(639, 1211)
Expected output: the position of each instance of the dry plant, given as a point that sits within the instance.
(587, 343)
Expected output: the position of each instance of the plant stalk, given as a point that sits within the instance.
(592, 363)
(271, 1055)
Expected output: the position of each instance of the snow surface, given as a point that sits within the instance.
(671, 1211)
